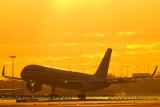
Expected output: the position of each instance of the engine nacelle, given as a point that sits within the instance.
(33, 87)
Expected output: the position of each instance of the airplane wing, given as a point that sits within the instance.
(112, 80)
(15, 89)
(124, 80)
(3, 74)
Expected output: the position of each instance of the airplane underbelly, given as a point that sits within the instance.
(60, 82)
(84, 86)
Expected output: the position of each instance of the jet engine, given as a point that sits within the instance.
(33, 86)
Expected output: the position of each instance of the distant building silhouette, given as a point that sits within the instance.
(140, 75)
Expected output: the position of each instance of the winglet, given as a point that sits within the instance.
(3, 74)
(3, 71)
(154, 71)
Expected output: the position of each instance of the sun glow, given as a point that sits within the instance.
(73, 33)
(63, 4)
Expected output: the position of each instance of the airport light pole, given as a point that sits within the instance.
(127, 70)
(137, 68)
(113, 71)
(148, 68)
(122, 70)
(12, 57)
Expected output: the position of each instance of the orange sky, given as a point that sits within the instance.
(74, 34)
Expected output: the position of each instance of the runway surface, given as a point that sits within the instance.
(112, 102)
(128, 103)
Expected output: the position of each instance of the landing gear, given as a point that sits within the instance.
(82, 96)
(54, 92)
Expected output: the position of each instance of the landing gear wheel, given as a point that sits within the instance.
(81, 96)
(54, 92)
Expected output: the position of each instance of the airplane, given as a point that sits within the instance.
(36, 75)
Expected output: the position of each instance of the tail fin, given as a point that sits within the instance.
(104, 65)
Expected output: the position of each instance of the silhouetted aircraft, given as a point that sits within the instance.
(35, 76)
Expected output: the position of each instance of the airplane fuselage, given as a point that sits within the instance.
(63, 79)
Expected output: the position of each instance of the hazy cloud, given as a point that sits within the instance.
(32, 45)
(129, 33)
(71, 44)
(101, 44)
(91, 56)
(141, 52)
(92, 44)
(94, 35)
(148, 45)
(45, 59)
(54, 58)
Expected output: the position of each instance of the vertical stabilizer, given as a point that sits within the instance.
(104, 65)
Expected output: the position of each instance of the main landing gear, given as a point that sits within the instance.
(82, 96)
(54, 92)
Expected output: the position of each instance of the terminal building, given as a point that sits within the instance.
(140, 75)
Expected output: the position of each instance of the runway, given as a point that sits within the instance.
(103, 103)
(61, 101)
